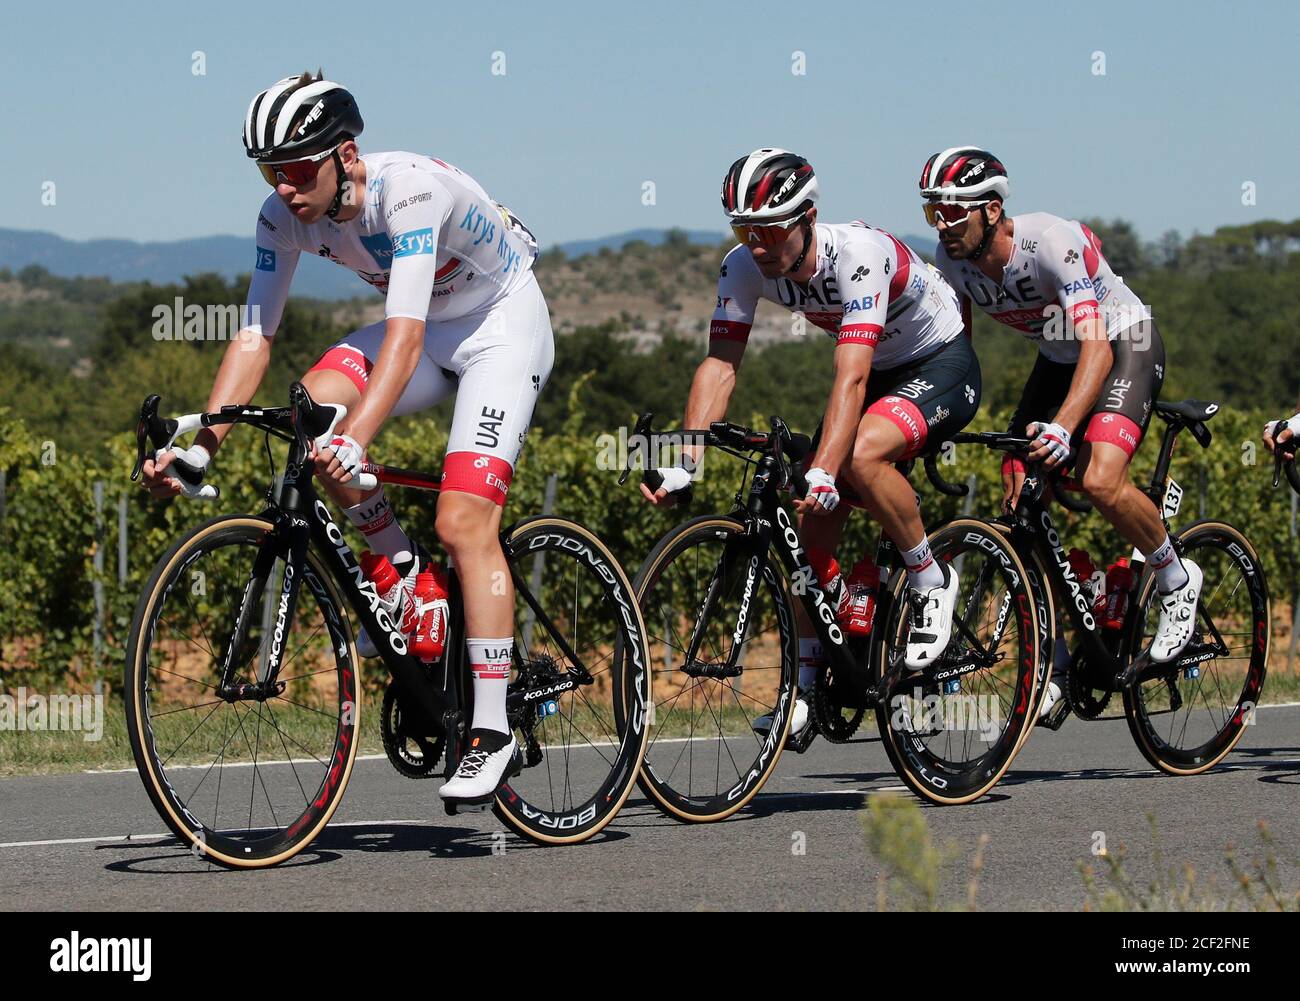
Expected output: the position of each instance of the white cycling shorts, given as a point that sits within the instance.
(495, 363)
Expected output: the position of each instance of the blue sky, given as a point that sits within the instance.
(598, 98)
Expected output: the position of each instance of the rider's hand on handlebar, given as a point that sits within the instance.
(674, 479)
(1288, 430)
(338, 456)
(823, 495)
(1052, 441)
(155, 478)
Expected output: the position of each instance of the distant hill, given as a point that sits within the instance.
(654, 237)
(170, 261)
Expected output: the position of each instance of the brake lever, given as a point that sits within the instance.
(639, 431)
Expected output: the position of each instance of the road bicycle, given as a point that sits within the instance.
(1185, 715)
(717, 593)
(242, 686)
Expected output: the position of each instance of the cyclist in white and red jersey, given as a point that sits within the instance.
(463, 316)
(1101, 361)
(905, 376)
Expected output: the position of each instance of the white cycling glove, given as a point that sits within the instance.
(822, 490)
(676, 479)
(345, 448)
(194, 462)
(1055, 437)
(1275, 428)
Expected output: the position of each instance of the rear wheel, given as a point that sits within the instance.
(582, 740)
(705, 761)
(1187, 715)
(953, 730)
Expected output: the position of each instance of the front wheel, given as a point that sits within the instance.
(953, 730)
(1187, 715)
(705, 760)
(246, 781)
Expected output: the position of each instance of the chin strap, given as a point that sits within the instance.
(807, 245)
(978, 252)
(337, 204)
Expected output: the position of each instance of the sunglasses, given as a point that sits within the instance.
(952, 213)
(772, 235)
(295, 172)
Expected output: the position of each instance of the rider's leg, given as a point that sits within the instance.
(889, 497)
(340, 377)
(816, 532)
(503, 360)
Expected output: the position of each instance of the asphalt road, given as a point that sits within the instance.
(92, 841)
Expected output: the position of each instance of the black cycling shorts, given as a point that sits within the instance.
(1123, 409)
(929, 400)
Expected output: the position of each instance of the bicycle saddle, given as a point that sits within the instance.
(1187, 411)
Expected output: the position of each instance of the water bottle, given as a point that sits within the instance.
(1119, 581)
(864, 583)
(827, 569)
(430, 636)
(1085, 572)
(388, 585)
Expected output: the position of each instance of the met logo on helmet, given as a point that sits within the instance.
(973, 171)
(314, 114)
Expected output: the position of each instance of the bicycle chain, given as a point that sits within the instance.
(1083, 702)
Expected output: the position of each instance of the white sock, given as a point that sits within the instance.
(810, 659)
(489, 662)
(375, 520)
(1169, 569)
(923, 572)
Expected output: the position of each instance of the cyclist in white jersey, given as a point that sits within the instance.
(905, 376)
(1101, 360)
(463, 316)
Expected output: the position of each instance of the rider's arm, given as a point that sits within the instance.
(1071, 257)
(739, 284)
(247, 357)
(844, 407)
(866, 305)
(415, 207)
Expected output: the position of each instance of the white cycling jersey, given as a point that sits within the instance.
(1056, 273)
(869, 288)
(428, 237)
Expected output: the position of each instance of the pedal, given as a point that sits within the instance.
(454, 807)
(801, 741)
(1056, 715)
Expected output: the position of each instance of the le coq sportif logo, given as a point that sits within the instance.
(78, 954)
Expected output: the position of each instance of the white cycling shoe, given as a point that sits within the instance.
(1177, 616)
(931, 620)
(1050, 697)
(799, 720)
(481, 771)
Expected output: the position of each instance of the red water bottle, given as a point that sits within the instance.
(864, 582)
(430, 635)
(388, 585)
(827, 569)
(1085, 572)
(1119, 581)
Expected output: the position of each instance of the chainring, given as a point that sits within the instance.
(827, 711)
(413, 754)
(1085, 702)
